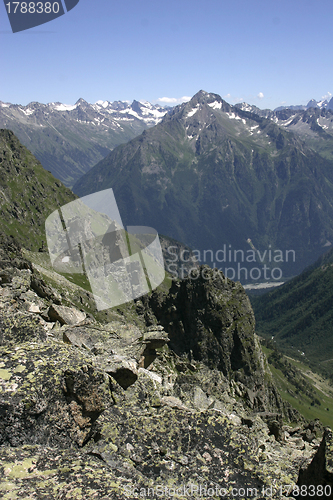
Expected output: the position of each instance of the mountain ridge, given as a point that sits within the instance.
(70, 139)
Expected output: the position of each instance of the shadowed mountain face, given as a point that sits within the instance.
(213, 175)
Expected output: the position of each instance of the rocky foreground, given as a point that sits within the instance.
(176, 402)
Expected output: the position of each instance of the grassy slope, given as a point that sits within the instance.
(321, 390)
(28, 193)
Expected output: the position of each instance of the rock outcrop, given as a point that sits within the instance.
(209, 318)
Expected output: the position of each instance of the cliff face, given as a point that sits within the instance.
(209, 318)
(114, 403)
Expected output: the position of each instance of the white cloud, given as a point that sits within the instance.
(167, 99)
(327, 96)
(260, 95)
(174, 100)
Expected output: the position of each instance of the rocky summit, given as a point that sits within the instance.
(171, 397)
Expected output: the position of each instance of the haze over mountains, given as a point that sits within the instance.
(213, 175)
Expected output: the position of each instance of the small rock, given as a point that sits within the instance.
(34, 308)
(66, 315)
(173, 403)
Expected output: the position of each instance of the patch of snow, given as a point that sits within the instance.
(153, 112)
(127, 119)
(246, 107)
(194, 110)
(215, 105)
(253, 128)
(65, 107)
(130, 112)
(288, 122)
(27, 111)
(146, 104)
(232, 116)
(104, 104)
(325, 127)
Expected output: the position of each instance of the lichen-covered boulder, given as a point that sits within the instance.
(106, 410)
(50, 394)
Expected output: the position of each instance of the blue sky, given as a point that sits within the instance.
(263, 52)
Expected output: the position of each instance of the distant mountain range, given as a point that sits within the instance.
(70, 139)
(323, 104)
(313, 124)
(213, 175)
